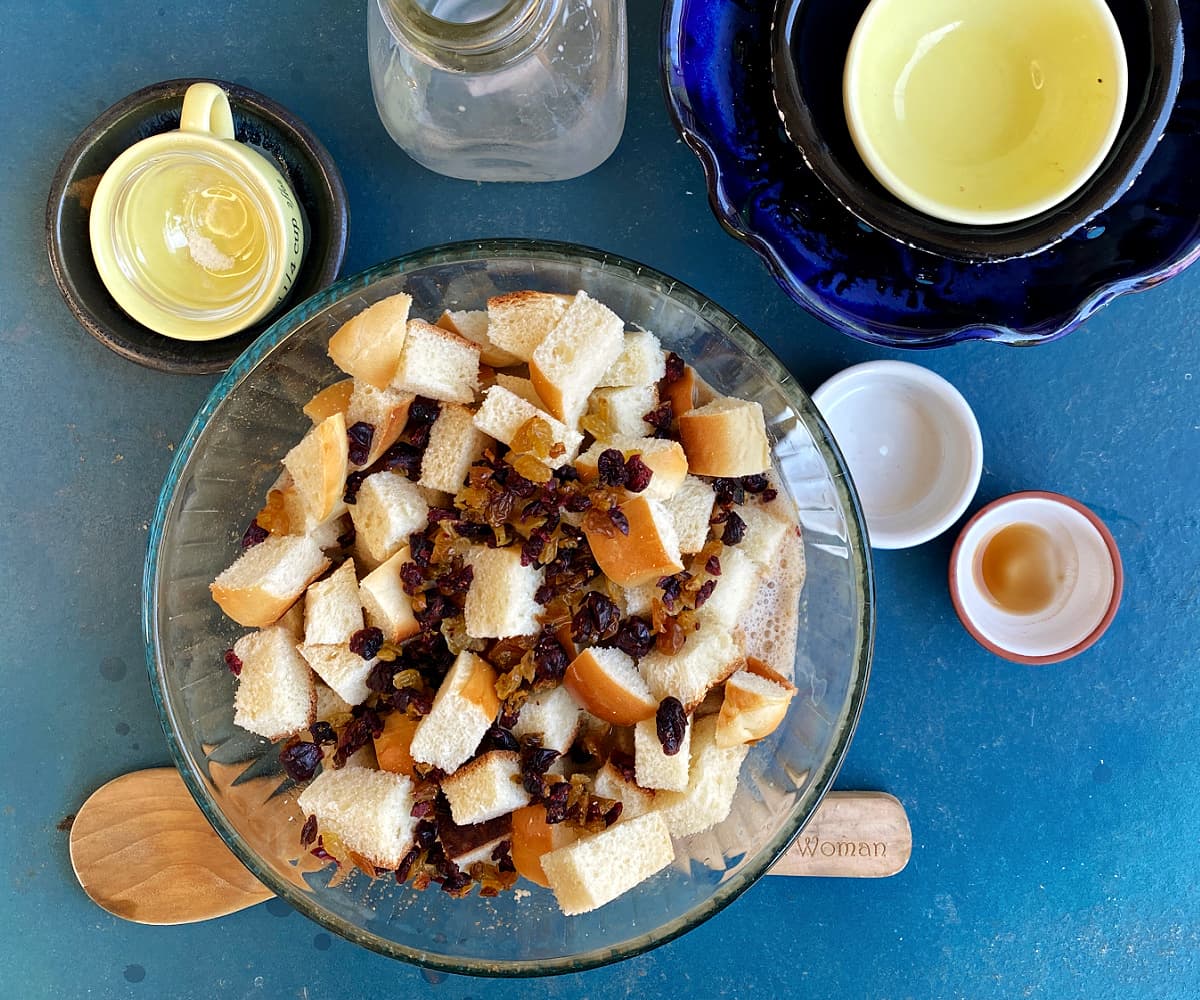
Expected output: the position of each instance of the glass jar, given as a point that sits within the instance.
(500, 90)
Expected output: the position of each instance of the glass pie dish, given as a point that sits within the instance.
(216, 484)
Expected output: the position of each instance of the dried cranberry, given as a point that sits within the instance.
(367, 642)
(729, 491)
(354, 483)
(426, 833)
(300, 760)
(567, 474)
(637, 474)
(704, 593)
(671, 723)
(322, 732)
(437, 607)
(420, 702)
(422, 809)
(233, 662)
(556, 802)
(402, 458)
(549, 658)
(577, 503)
(619, 520)
(610, 467)
(675, 368)
(660, 418)
(769, 494)
(346, 538)
(735, 529)
(756, 483)
(421, 549)
(308, 833)
(634, 637)
(499, 738)
(457, 882)
(597, 619)
(255, 534)
(713, 566)
(437, 514)
(411, 578)
(672, 588)
(456, 581)
(534, 545)
(379, 679)
(355, 736)
(422, 413)
(613, 814)
(361, 435)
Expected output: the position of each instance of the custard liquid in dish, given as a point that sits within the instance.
(985, 112)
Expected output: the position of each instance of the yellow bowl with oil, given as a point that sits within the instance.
(985, 112)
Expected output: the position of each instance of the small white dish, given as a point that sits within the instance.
(912, 444)
(1070, 606)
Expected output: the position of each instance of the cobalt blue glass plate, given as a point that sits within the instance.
(716, 65)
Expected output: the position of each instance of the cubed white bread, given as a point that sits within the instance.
(342, 669)
(753, 707)
(331, 706)
(572, 358)
(369, 345)
(332, 399)
(292, 622)
(369, 811)
(473, 325)
(706, 659)
(438, 364)
(500, 602)
(327, 533)
(726, 437)
(463, 708)
(519, 321)
(607, 683)
(764, 533)
(503, 413)
(736, 587)
(639, 600)
(386, 410)
(649, 551)
(712, 783)
(770, 622)
(267, 578)
(522, 387)
(553, 715)
(665, 459)
(611, 783)
(276, 696)
(655, 769)
(332, 609)
(486, 787)
(386, 605)
(690, 508)
(620, 412)
(318, 466)
(454, 443)
(597, 869)
(641, 361)
(363, 757)
(285, 513)
(388, 509)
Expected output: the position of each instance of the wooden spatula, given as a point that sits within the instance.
(143, 851)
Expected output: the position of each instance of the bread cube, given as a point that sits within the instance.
(503, 413)
(753, 707)
(438, 364)
(369, 345)
(613, 783)
(454, 443)
(681, 393)
(620, 412)
(331, 706)
(522, 387)
(764, 534)
(386, 605)
(653, 768)
(572, 358)
(342, 669)
(712, 783)
(607, 683)
(330, 400)
(736, 587)
(318, 466)
(726, 437)
(485, 788)
(641, 361)
(386, 410)
(690, 507)
(393, 747)
(387, 510)
(463, 708)
(332, 610)
(649, 551)
(267, 578)
(519, 321)
(663, 457)
(500, 602)
(369, 811)
(596, 870)
(706, 659)
(275, 696)
(553, 715)
(473, 325)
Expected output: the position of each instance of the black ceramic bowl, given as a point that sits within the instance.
(808, 52)
(274, 131)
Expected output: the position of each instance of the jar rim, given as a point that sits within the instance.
(489, 43)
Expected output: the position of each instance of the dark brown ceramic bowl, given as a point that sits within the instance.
(259, 121)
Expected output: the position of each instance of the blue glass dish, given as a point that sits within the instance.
(716, 64)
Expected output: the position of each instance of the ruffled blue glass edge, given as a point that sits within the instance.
(748, 215)
(291, 321)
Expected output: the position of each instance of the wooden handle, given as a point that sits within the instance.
(852, 835)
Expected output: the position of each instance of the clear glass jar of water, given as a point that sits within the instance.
(501, 90)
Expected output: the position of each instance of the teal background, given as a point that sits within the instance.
(1054, 810)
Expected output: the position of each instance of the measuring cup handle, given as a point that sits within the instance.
(206, 109)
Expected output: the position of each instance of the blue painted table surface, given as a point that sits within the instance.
(1054, 810)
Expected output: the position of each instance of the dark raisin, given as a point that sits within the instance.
(255, 534)
(637, 474)
(419, 702)
(379, 679)
(729, 491)
(361, 435)
(660, 417)
(704, 593)
(634, 637)
(233, 662)
(578, 503)
(534, 545)
(421, 549)
(675, 368)
(426, 833)
(556, 802)
(402, 458)
(671, 723)
(346, 538)
(308, 834)
(567, 474)
(300, 760)
(610, 467)
(354, 483)
(456, 581)
(769, 494)
(549, 659)
(597, 619)
(437, 607)
(437, 514)
(613, 814)
(322, 732)
(756, 483)
(411, 578)
(422, 413)
(619, 520)
(406, 865)
(735, 529)
(367, 642)
(499, 738)
(712, 566)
